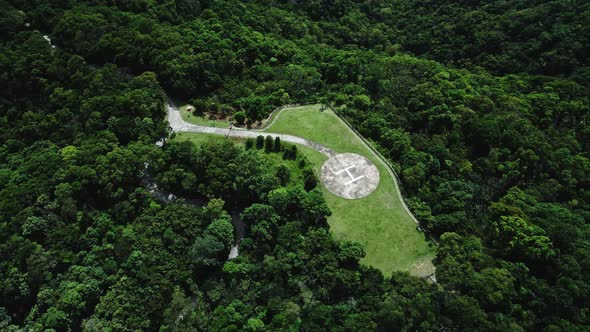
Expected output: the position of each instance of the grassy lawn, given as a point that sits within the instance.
(201, 120)
(378, 221)
(199, 139)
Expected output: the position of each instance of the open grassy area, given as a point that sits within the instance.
(378, 221)
(200, 119)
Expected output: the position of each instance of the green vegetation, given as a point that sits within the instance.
(492, 145)
(200, 139)
(378, 221)
(201, 119)
(541, 37)
(295, 166)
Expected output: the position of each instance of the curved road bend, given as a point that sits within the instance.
(180, 126)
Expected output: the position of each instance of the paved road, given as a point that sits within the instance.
(180, 126)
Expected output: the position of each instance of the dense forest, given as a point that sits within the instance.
(532, 36)
(483, 107)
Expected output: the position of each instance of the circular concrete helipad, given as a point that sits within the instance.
(349, 175)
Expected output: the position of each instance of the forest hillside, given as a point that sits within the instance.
(108, 223)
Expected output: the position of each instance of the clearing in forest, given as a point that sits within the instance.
(378, 222)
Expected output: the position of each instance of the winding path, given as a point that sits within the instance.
(180, 126)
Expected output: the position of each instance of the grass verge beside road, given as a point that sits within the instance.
(200, 119)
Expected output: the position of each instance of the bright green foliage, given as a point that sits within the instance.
(222, 230)
(234, 268)
(379, 222)
(516, 236)
(214, 210)
(254, 324)
(68, 153)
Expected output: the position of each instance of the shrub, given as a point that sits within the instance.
(249, 143)
(283, 174)
(240, 117)
(259, 142)
(277, 145)
(309, 179)
(268, 144)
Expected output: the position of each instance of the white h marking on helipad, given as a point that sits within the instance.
(352, 178)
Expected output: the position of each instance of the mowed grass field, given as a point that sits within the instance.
(378, 221)
(200, 120)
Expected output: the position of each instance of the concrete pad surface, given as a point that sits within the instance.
(349, 175)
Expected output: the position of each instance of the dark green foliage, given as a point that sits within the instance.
(290, 152)
(283, 174)
(309, 179)
(207, 252)
(302, 163)
(222, 170)
(495, 167)
(259, 142)
(240, 117)
(277, 146)
(541, 37)
(200, 106)
(268, 144)
(293, 154)
(249, 144)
